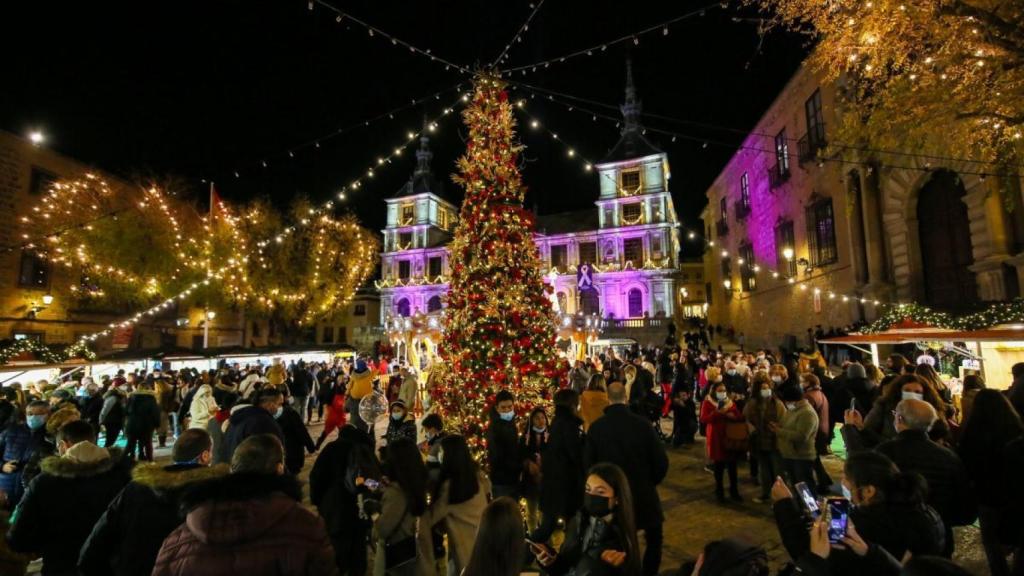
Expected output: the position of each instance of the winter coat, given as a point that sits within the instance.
(91, 407)
(166, 395)
(331, 487)
(736, 384)
(127, 538)
(760, 413)
(816, 398)
(578, 380)
(896, 528)
(949, 487)
(63, 503)
(585, 540)
(503, 458)
(459, 521)
(143, 413)
(249, 421)
(592, 405)
(249, 524)
(629, 441)
(301, 384)
(296, 439)
(797, 432)
(398, 429)
(112, 412)
(18, 444)
(714, 432)
(561, 464)
(202, 407)
(407, 393)
(276, 375)
(879, 426)
(394, 524)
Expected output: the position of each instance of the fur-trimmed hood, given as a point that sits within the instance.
(83, 460)
(240, 487)
(144, 392)
(162, 479)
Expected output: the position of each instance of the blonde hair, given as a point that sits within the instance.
(778, 370)
(713, 373)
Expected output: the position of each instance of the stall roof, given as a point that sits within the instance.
(908, 336)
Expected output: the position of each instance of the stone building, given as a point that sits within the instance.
(629, 239)
(797, 240)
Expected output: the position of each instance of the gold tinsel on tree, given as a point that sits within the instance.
(499, 325)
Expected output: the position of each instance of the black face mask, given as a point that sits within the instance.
(597, 506)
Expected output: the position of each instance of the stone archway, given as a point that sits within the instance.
(901, 191)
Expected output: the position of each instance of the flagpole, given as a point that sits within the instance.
(206, 293)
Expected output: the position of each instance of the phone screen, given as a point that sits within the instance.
(808, 499)
(838, 510)
(371, 484)
(853, 403)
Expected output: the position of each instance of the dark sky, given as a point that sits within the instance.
(200, 88)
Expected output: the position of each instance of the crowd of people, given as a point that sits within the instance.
(565, 487)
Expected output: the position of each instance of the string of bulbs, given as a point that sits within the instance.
(754, 268)
(218, 273)
(518, 37)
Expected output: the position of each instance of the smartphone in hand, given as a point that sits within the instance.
(838, 515)
(808, 499)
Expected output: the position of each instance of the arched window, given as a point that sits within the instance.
(434, 304)
(635, 299)
(590, 301)
(402, 308)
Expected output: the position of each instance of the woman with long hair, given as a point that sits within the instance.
(456, 504)
(879, 426)
(403, 500)
(990, 426)
(593, 401)
(764, 409)
(500, 545)
(887, 509)
(926, 372)
(601, 539)
(532, 442)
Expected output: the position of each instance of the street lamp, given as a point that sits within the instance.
(36, 137)
(787, 252)
(47, 299)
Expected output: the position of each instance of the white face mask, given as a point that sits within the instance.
(765, 393)
(721, 396)
(731, 372)
(777, 379)
(912, 395)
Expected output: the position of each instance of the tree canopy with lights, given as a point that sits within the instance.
(499, 330)
(917, 67)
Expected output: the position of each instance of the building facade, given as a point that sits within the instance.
(630, 238)
(797, 240)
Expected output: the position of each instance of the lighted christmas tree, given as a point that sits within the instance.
(499, 331)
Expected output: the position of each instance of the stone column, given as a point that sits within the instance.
(874, 239)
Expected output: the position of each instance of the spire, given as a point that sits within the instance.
(423, 155)
(632, 107)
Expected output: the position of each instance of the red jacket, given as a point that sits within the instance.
(247, 524)
(715, 433)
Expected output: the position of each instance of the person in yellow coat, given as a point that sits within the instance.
(276, 374)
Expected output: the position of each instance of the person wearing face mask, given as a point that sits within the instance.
(127, 538)
(399, 424)
(735, 382)
(18, 443)
(795, 435)
(763, 410)
(257, 418)
(601, 539)
(503, 459)
(250, 522)
(879, 425)
(533, 441)
(716, 411)
(65, 500)
(778, 374)
(888, 511)
(297, 441)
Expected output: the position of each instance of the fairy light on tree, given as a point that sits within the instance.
(500, 331)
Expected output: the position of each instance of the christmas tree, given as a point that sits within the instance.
(499, 331)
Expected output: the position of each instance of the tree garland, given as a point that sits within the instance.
(998, 313)
(44, 352)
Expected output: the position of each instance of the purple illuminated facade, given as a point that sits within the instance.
(631, 237)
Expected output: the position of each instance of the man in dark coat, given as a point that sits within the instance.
(62, 504)
(503, 457)
(630, 442)
(949, 490)
(249, 522)
(143, 417)
(300, 386)
(256, 419)
(561, 462)
(333, 491)
(127, 538)
(296, 439)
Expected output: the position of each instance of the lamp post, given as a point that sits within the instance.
(210, 315)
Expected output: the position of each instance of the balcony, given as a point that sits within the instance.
(721, 228)
(810, 144)
(741, 209)
(777, 176)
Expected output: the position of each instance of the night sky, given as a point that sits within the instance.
(200, 89)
